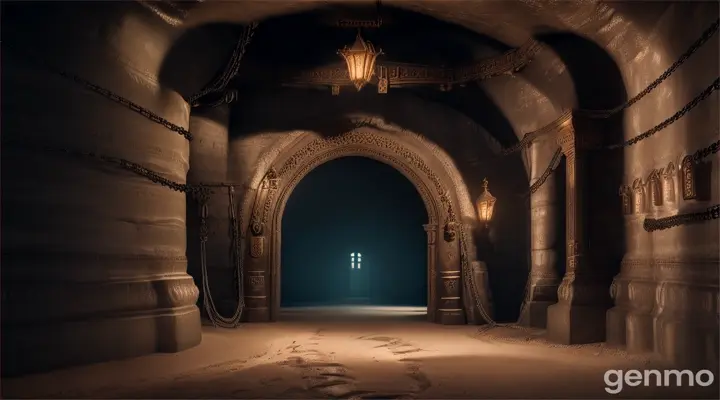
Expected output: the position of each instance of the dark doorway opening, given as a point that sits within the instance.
(352, 235)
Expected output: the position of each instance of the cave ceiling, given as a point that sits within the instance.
(301, 35)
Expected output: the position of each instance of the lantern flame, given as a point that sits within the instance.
(485, 204)
(360, 60)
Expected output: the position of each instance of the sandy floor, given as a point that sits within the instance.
(354, 353)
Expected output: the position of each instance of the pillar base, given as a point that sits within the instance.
(90, 341)
(261, 314)
(639, 333)
(575, 324)
(534, 314)
(688, 343)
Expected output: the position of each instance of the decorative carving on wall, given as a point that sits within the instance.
(450, 227)
(382, 75)
(401, 74)
(263, 200)
(257, 246)
(626, 196)
(687, 173)
(257, 282)
(655, 188)
(431, 230)
(373, 145)
(450, 285)
(638, 193)
(668, 183)
(404, 157)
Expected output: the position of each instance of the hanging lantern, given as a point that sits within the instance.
(360, 59)
(485, 204)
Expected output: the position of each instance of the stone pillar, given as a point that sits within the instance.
(449, 283)
(432, 306)
(686, 269)
(543, 238)
(208, 164)
(93, 256)
(579, 315)
(630, 322)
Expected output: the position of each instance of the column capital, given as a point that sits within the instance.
(431, 230)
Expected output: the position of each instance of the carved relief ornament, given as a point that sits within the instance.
(257, 246)
(369, 141)
(687, 174)
(432, 190)
(263, 200)
(655, 187)
(668, 183)
(638, 193)
(565, 134)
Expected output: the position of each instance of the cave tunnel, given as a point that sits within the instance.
(353, 234)
(360, 199)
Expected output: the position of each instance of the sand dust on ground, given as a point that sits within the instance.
(356, 358)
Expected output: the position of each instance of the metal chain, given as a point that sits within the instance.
(231, 69)
(706, 151)
(108, 94)
(657, 128)
(236, 255)
(201, 193)
(657, 224)
(523, 143)
(552, 166)
(470, 280)
(704, 37)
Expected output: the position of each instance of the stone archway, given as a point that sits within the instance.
(451, 283)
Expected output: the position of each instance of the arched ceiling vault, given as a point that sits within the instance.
(595, 54)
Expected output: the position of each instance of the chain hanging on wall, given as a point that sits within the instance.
(552, 166)
(237, 256)
(108, 94)
(201, 193)
(697, 44)
(669, 121)
(704, 37)
(231, 69)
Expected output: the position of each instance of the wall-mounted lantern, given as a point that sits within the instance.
(360, 60)
(485, 204)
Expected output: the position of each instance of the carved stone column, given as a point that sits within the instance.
(208, 164)
(449, 283)
(583, 298)
(260, 307)
(432, 233)
(93, 256)
(543, 239)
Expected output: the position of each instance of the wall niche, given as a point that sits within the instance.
(687, 174)
(654, 187)
(668, 184)
(638, 194)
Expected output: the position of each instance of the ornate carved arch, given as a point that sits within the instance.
(445, 262)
